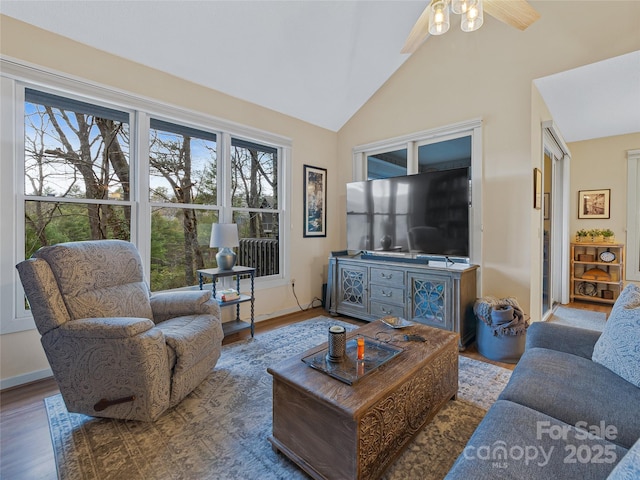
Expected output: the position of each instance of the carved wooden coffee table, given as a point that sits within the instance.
(333, 430)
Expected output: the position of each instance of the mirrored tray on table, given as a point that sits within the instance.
(350, 369)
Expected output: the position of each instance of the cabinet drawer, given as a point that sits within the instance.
(379, 309)
(387, 276)
(387, 294)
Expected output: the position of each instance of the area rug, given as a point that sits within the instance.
(220, 430)
(577, 317)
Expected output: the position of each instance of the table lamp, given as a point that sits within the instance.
(224, 236)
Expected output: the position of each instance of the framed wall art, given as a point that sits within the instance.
(315, 201)
(594, 203)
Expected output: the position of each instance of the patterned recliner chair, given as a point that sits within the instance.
(116, 350)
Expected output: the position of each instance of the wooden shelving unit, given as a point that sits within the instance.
(592, 278)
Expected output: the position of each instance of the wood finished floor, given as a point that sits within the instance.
(25, 444)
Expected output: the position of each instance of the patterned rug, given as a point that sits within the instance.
(220, 430)
(577, 317)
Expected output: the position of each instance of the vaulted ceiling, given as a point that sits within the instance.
(318, 61)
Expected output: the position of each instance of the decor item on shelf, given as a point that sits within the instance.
(224, 236)
(607, 256)
(595, 235)
(586, 257)
(608, 294)
(596, 274)
(581, 235)
(588, 289)
(227, 295)
(594, 203)
(315, 202)
(608, 235)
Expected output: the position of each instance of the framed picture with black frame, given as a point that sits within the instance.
(315, 201)
(594, 203)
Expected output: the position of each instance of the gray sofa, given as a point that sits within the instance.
(571, 408)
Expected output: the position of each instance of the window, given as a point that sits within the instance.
(76, 172)
(98, 164)
(254, 198)
(387, 164)
(182, 190)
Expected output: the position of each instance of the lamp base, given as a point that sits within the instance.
(226, 258)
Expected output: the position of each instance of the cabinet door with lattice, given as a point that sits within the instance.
(430, 301)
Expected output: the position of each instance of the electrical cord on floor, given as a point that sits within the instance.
(310, 306)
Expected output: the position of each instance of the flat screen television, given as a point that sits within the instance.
(427, 214)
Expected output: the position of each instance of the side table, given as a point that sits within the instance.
(239, 272)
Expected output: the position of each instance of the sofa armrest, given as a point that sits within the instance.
(562, 338)
(168, 305)
(114, 327)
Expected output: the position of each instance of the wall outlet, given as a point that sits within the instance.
(293, 282)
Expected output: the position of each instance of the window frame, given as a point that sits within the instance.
(632, 267)
(16, 76)
(412, 142)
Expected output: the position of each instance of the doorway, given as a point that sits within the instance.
(555, 221)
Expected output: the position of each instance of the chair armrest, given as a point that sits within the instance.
(168, 305)
(114, 327)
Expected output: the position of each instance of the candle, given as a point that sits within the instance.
(360, 341)
(337, 343)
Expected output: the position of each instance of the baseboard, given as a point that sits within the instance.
(26, 378)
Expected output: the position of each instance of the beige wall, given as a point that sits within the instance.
(488, 74)
(21, 352)
(602, 164)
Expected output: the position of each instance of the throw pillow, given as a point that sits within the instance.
(629, 467)
(618, 348)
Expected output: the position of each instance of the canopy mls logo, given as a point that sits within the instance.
(574, 452)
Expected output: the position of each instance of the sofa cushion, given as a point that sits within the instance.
(563, 338)
(574, 389)
(516, 442)
(618, 348)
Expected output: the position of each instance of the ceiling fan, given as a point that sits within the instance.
(517, 13)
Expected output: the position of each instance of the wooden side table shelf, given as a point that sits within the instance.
(597, 271)
(239, 272)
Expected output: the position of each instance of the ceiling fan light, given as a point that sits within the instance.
(438, 17)
(473, 18)
(461, 6)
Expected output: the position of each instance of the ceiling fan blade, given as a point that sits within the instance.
(419, 33)
(517, 13)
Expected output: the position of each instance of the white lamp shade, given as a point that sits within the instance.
(224, 235)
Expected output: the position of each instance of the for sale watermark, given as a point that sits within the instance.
(579, 446)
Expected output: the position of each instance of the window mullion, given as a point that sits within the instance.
(141, 227)
(224, 179)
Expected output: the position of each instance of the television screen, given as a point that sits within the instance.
(427, 213)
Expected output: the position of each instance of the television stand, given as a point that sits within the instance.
(440, 295)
